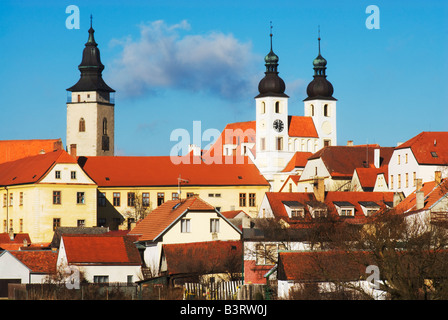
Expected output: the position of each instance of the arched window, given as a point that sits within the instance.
(263, 107)
(105, 127)
(277, 107)
(82, 125)
(326, 111)
(312, 110)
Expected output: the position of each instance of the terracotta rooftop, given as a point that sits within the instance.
(158, 220)
(100, 249)
(298, 160)
(302, 127)
(341, 161)
(203, 257)
(11, 150)
(31, 169)
(322, 265)
(432, 191)
(429, 147)
(38, 261)
(356, 200)
(161, 171)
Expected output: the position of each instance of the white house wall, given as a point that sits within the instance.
(11, 268)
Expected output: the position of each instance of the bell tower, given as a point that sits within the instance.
(90, 107)
(320, 103)
(271, 105)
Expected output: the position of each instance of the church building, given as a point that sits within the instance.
(90, 107)
(275, 136)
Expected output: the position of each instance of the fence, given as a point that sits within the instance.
(225, 290)
(87, 291)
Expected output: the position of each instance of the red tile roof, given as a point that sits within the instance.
(38, 261)
(341, 161)
(159, 219)
(11, 150)
(100, 249)
(298, 160)
(18, 238)
(233, 213)
(161, 171)
(429, 147)
(302, 127)
(322, 265)
(277, 199)
(367, 176)
(31, 169)
(203, 257)
(432, 194)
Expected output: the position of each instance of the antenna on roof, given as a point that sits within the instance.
(179, 182)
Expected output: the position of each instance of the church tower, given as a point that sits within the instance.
(90, 107)
(320, 104)
(271, 104)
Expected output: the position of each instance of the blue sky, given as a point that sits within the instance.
(175, 62)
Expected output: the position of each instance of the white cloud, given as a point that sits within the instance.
(165, 57)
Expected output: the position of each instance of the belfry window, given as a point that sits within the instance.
(312, 110)
(82, 125)
(326, 111)
(105, 127)
(277, 107)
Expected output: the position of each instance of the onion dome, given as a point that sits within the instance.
(271, 84)
(91, 68)
(320, 87)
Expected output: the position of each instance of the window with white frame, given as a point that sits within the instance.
(214, 225)
(185, 225)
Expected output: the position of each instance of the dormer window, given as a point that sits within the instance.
(369, 207)
(345, 209)
(294, 209)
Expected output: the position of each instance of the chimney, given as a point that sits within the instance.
(319, 189)
(376, 158)
(11, 234)
(57, 145)
(438, 177)
(350, 143)
(419, 184)
(419, 199)
(73, 150)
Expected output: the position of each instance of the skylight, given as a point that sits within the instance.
(434, 154)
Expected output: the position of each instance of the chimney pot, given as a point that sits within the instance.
(438, 177)
(420, 200)
(350, 143)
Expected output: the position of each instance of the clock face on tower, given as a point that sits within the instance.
(278, 125)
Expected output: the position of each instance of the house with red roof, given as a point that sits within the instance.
(181, 221)
(337, 164)
(201, 261)
(100, 258)
(427, 205)
(42, 192)
(154, 180)
(299, 214)
(418, 158)
(298, 270)
(23, 266)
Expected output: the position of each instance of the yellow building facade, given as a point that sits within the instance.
(43, 192)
